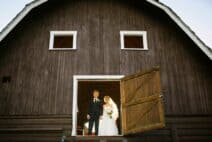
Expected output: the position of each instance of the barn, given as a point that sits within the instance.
(54, 53)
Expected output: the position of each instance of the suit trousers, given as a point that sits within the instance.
(91, 123)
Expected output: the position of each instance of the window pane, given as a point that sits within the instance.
(63, 41)
(133, 42)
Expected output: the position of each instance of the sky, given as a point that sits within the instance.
(195, 13)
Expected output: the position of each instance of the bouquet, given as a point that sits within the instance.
(109, 113)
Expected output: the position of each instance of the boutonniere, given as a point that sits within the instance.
(96, 100)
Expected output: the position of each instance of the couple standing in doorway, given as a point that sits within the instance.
(102, 116)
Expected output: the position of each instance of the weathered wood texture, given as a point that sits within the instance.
(142, 105)
(178, 129)
(34, 128)
(41, 80)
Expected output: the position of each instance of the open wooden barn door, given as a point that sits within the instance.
(142, 107)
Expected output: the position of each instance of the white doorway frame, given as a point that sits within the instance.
(76, 79)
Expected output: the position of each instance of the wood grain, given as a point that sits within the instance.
(41, 80)
(142, 106)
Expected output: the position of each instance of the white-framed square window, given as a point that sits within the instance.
(63, 40)
(133, 40)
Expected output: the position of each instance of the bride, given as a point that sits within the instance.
(107, 126)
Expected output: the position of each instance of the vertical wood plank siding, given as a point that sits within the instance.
(41, 80)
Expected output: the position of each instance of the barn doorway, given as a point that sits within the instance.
(141, 100)
(83, 87)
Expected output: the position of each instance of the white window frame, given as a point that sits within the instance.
(134, 33)
(62, 33)
(76, 79)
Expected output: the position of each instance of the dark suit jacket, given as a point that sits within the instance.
(95, 109)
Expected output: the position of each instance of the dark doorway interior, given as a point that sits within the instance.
(85, 89)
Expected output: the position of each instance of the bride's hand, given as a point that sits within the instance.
(88, 117)
(100, 117)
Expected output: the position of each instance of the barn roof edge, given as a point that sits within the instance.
(208, 51)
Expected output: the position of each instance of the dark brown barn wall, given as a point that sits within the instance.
(41, 80)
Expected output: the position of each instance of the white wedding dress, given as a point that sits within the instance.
(107, 126)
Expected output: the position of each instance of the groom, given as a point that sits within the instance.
(94, 112)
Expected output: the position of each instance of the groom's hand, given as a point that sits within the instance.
(100, 117)
(88, 117)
